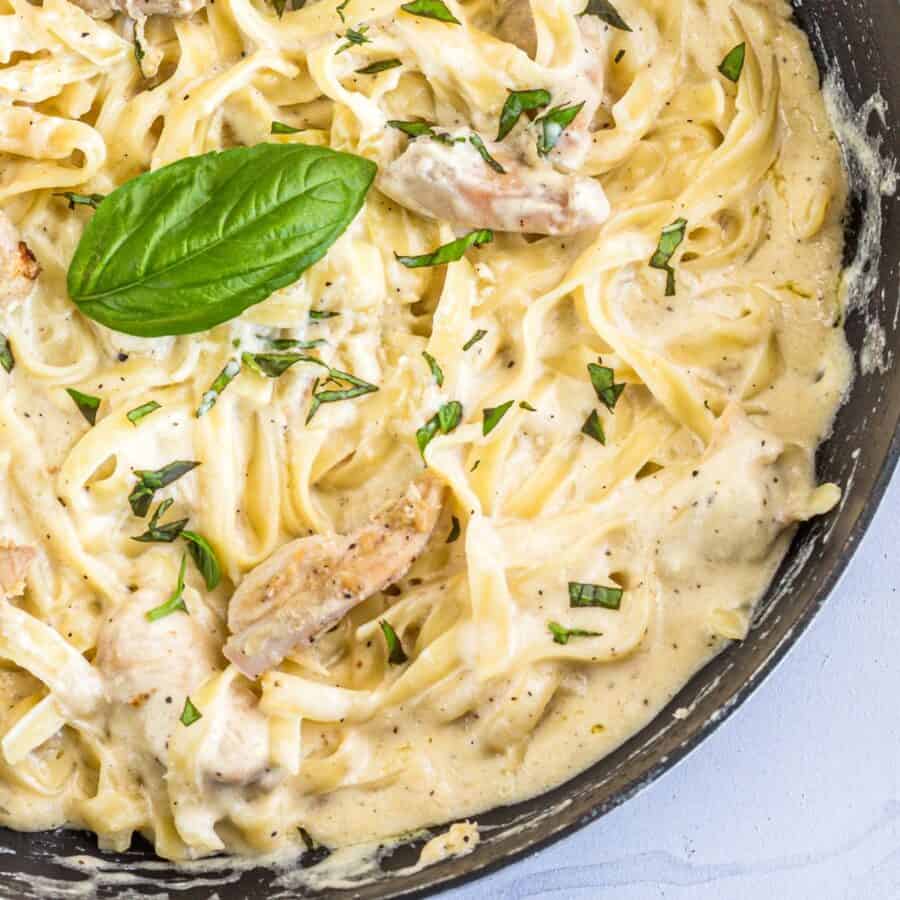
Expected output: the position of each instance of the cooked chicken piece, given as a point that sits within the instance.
(312, 583)
(151, 667)
(18, 267)
(14, 563)
(453, 183)
(140, 9)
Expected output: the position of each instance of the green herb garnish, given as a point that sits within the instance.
(733, 63)
(152, 480)
(223, 379)
(445, 420)
(175, 603)
(340, 9)
(518, 102)
(562, 635)
(161, 534)
(135, 415)
(396, 654)
(476, 141)
(431, 9)
(382, 65)
(205, 558)
(524, 404)
(292, 344)
(454, 530)
(604, 10)
(669, 239)
(273, 365)
(593, 427)
(87, 405)
(435, 368)
(553, 124)
(448, 253)
(412, 129)
(317, 315)
(357, 388)
(492, 416)
(281, 128)
(582, 594)
(354, 37)
(190, 713)
(92, 200)
(7, 360)
(603, 380)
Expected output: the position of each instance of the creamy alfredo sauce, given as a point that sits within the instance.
(633, 446)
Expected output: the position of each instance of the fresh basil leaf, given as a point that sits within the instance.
(603, 380)
(396, 654)
(355, 37)
(454, 530)
(584, 594)
(281, 128)
(619, 55)
(476, 141)
(445, 420)
(161, 534)
(139, 53)
(431, 9)
(448, 253)
(175, 603)
(413, 130)
(605, 11)
(273, 365)
(492, 416)
(357, 388)
(87, 405)
(733, 63)
(382, 65)
(292, 344)
(152, 480)
(593, 427)
(135, 415)
(223, 379)
(518, 102)
(669, 239)
(7, 360)
(426, 433)
(527, 406)
(317, 315)
(472, 341)
(92, 200)
(190, 713)
(340, 9)
(204, 557)
(562, 635)
(435, 368)
(553, 124)
(167, 253)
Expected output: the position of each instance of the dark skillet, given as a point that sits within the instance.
(861, 37)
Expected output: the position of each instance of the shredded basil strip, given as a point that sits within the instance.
(669, 239)
(603, 380)
(138, 53)
(454, 530)
(518, 102)
(152, 480)
(175, 603)
(561, 634)
(7, 360)
(492, 416)
(553, 124)
(396, 654)
(281, 128)
(382, 65)
(431, 9)
(205, 558)
(527, 406)
(357, 388)
(412, 129)
(161, 534)
(445, 420)
(733, 63)
(436, 370)
(605, 11)
(274, 365)
(340, 11)
(354, 37)
(584, 594)
(223, 379)
(472, 341)
(87, 405)
(476, 141)
(135, 415)
(448, 253)
(190, 713)
(92, 200)
(593, 427)
(292, 344)
(317, 315)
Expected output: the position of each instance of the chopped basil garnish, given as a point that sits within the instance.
(280, 6)
(281, 128)
(454, 530)
(605, 11)
(274, 365)
(472, 341)
(603, 380)
(448, 253)
(412, 129)
(527, 406)
(518, 102)
(292, 344)
(476, 141)
(315, 852)
(92, 200)
(582, 594)
(733, 63)
(553, 124)
(223, 379)
(161, 534)
(135, 415)
(593, 427)
(382, 65)
(431, 9)
(7, 360)
(670, 237)
(357, 387)
(150, 481)
(316, 315)
(205, 558)
(175, 603)
(340, 11)
(190, 713)
(396, 654)
(354, 37)
(139, 54)
(561, 634)
(492, 416)
(619, 55)
(435, 368)
(87, 405)
(444, 420)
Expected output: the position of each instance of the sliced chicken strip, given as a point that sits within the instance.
(14, 563)
(139, 9)
(453, 183)
(150, 667)
(312, 583)
(18, 267)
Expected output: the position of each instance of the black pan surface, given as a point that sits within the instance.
(861, 39)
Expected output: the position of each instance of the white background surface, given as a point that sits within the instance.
(794, 797)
